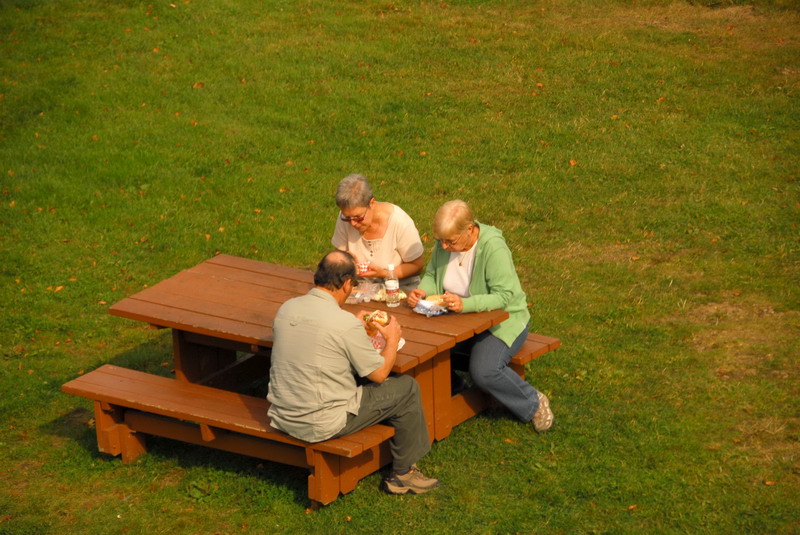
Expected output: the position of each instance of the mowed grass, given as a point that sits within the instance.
(641, 160)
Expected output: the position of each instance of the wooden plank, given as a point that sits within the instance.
(252, 278)
(186, 432)
(106, 420)
(194, 363)
(241, 372)
(167, 397)
(441, 395)
(438, 341)
(355, 469)
(204, 405)
(478, 321)
(323, 482)
(467, 404)
(187, 320)
(126, 388)
(458, 326)
(214, 310)
(213, 290)
(264, 268)
(232, 345)
(552, 343)
(530, 350)
(423, 373)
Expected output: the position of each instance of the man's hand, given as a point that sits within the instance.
(391, 332)
(415, 296)
(361, 314)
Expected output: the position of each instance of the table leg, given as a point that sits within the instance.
(424, 376)
(441, 395)
(194, 362)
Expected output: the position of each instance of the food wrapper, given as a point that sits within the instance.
(379, 342)
(380, 294)
(365, 292)
(429, 308)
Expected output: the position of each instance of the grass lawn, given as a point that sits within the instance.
(640, 157)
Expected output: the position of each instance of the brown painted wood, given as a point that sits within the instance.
(203, 405)
(268, 450)
(130, 405)
(186, 320)
(234, 300)
(465, 405)
(263, 268)
(216, 273)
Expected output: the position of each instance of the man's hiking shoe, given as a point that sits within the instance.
(413, 481)
(543, 419)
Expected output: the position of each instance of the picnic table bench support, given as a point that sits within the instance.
(217, 362)
(131, 405)
(113, 435)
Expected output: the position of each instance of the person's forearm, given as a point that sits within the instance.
(389, 355)
(401, 271)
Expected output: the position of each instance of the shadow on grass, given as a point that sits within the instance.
(77, 425)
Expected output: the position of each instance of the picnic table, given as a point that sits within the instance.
(221, 313)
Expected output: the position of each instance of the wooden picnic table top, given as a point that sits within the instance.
(233, 298)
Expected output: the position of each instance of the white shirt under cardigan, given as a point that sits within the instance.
(459, 272)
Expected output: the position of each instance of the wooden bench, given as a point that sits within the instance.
(467, 404)
(129, 405)
(535, 346)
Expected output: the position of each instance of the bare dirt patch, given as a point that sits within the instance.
(745, 335)
(750, 341)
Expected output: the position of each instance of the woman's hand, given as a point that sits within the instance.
(454, 302)
(374, 272)
(414, 297)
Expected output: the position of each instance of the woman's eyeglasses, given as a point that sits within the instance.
(356, 218)
(452, 243)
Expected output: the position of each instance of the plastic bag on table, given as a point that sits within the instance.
(429, 308)
(364, 293)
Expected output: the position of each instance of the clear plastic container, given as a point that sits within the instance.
(392, 288)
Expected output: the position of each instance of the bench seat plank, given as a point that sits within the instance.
(130, 405)
(467, 404)
(203, 405)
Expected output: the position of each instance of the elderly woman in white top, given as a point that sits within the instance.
(377, 233)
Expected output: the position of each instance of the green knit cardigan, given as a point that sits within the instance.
(494, 282)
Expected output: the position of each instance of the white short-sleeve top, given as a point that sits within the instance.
(400, 243)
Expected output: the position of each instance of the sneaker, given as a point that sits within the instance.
(413, 481)
(543, 419)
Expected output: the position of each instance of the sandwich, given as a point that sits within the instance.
(437, 299)
(379, 316)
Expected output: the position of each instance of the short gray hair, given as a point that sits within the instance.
(353, 191)
(451, 218)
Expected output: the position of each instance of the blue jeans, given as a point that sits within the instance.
(488, 366)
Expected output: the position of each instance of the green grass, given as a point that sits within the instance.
(641, 158)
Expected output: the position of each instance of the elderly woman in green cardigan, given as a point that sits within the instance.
(471, 266)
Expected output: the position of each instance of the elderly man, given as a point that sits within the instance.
(318, 348)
